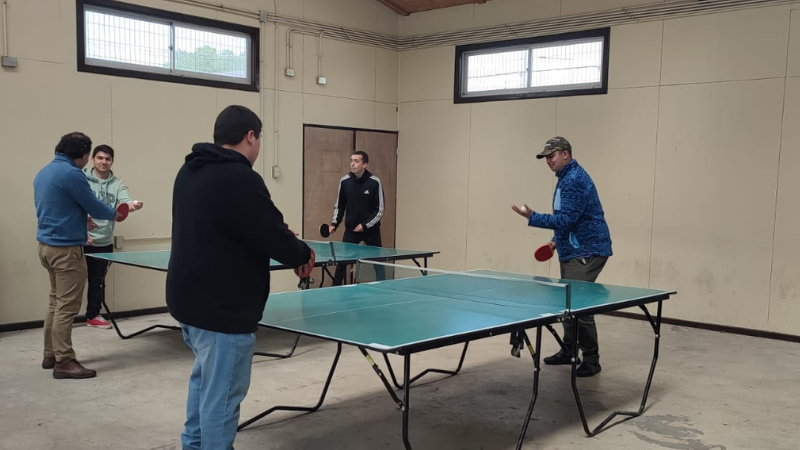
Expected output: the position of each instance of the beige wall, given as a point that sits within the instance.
(693, 149)
(152, 126)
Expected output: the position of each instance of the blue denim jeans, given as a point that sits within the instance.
(218, 384)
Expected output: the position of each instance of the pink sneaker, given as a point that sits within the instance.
(98, 322)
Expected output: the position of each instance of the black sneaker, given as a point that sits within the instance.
(588, 369)
(559, 359)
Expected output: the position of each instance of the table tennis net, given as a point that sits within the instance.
(498, 288)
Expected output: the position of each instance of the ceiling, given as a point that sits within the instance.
(406, 7)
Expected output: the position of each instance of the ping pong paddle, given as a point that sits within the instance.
(543, 253)
(324, 231)
(304, 271)
(123, 209)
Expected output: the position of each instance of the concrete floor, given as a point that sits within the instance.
(711, 391)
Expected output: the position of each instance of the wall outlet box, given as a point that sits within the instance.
(289, 72)
(119, 242)
(276, 171)
(321, 80)
(8, 61)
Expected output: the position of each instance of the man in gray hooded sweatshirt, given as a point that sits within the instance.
(112, 191)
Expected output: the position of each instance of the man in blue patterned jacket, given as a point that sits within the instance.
(581, 238)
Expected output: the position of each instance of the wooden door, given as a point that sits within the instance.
(326, 158)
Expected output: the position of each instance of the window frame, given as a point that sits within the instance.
(173, 19)
(461, 69)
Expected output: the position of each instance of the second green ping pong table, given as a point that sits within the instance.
(328, 253)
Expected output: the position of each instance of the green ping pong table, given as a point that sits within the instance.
(412, 315)
(327, 254)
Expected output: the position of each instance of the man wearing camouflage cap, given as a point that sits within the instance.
(581, 238)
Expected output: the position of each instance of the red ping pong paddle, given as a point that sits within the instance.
(304, 271)
(123, 209)
(543, 253)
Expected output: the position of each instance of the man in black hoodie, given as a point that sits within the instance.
(361, 196)
(225, 230)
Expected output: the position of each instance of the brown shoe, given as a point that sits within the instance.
(48, 362)
(71, 369)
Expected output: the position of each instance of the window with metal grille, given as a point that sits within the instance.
(121, 39)
(560, 65)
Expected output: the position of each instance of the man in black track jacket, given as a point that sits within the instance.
(225, 229)
(360, 203)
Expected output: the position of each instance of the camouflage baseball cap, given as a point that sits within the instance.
(553, 145)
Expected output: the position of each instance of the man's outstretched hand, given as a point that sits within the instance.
(524, 210)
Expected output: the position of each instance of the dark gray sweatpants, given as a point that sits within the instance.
(583, 269)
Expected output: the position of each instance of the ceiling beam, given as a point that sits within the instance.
(394, 7)
(406, 7)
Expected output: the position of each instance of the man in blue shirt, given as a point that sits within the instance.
(581, 238)
(63, 198)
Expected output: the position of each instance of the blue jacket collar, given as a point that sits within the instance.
(63, 157)
(564, 170)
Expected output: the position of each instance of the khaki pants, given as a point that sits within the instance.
(67, 269)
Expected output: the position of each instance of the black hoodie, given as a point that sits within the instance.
(225, 229)
(363, 200)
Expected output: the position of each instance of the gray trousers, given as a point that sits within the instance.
(583, 269)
